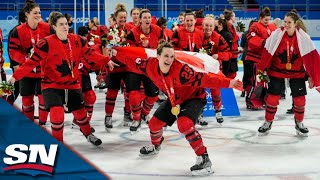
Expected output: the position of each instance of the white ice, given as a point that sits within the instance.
(235, 149)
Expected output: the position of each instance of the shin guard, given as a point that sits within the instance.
(57, 119)
(272, 102)
(89, 100)
(148, 104)
(111, 96)
(80, 116)
(43, 114)
(186, 126)
(298, 107)
(28, 106)
(156, 130)
(135, 105)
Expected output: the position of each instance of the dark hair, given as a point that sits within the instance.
(251, 22)
(224, 24)
(29, 6)
(161, 21)
(163, 44)
(296, 19)
(120, 8)
(265, 12)
(144, 11)
(199, 14)
(104, 39)
(227, 14)
(133, 10)
(189, 12)
(83, 31)
(54, 19)
(68, 16)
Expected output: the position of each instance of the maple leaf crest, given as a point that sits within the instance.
(64, 68)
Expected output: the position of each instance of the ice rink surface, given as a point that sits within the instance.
(235, 149)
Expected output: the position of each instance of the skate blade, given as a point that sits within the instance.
(148, 155)
(134, 132)
(300, 134)
(108, 129)
(263, 134)
(203, 172)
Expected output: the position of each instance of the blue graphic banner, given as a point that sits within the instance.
(229, 103)
(29, 152)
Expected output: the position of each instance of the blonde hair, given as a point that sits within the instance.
(95, 21)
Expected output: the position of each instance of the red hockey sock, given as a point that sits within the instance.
(272, 101)
(111, 96)
(216, 98)
(148, 104)
(126, 100)
(186, 126)
(298, 107)
(43, 114)
(80, 116)
(57, 119)
(156, 130)
(89, 100)
(28, 106)
(135, 105)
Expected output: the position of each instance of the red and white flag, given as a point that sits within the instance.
(309, 54)
(198, 61)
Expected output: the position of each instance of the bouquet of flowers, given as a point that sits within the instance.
(6, 89)
(116, 37)
(262, 77)
(208, 48)
(240, 26)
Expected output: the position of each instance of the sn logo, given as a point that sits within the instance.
(18, 157)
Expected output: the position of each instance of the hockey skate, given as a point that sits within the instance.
(265, 128)
(301, 130)
(135, 126)
(150, 149)
(93, 140)
(127, 120)
(202, 166)
(144, 118)
(108, 123)
(219, 117)
(201, 121)
(290, 111)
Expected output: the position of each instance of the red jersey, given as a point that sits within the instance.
(22, 40)
(198, 24)
(167, 34)
(154, 36)
(235, 39)
(130, 25)
(256, 37)
(182, 39)
(86, 66)
(218, 46)
(180, 77)
(59, 61)
(276, 66)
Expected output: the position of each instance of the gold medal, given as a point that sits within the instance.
(175, 110)
(288, 66)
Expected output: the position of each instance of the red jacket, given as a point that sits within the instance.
(220, 46)
(22, 40)
(256, 37)
(187, 41)
(235, 45)
(181, 76)
(154, 36)
(56, 60)
(276, 66)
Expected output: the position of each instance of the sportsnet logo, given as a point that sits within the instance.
(19, 158)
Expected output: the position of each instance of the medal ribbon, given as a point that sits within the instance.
(70, 57)
(169, 90)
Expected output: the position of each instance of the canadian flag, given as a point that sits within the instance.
(198, 61)
(309, 53)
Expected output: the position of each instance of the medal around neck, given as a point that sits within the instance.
(175, 110)
(288, 66)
